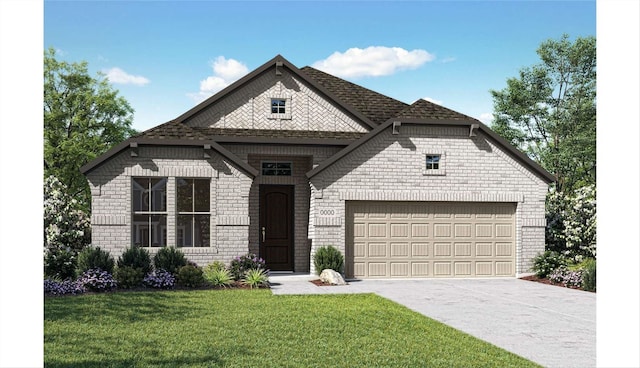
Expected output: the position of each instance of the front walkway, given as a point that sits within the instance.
(550, 325)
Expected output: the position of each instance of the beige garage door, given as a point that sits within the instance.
(429, 239)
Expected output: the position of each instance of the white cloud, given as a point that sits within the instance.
(225, 72)
(486, 118)
(373, 61)
(448, 60)
(437, 102)
(117, 75)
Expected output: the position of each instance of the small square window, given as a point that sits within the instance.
(278, 106)
(433, 162)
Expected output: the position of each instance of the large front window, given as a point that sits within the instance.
(149, 212)
(193, 203)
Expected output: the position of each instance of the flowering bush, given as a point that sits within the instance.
(545, 263)
(567, 277)
(571, 223)
(65, 224)
(241, 264)
(67, 287)
(160, 279)
(96, 279)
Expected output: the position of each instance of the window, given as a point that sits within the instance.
(149, 209)
(193, 206)
(272, 168)
(278, 106)
(433, 162)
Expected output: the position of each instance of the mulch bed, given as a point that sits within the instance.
(319, 282)
(546, 281)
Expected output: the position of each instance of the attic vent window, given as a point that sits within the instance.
(280, 108)
(434, 164)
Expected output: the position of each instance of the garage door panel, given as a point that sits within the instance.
(399, 250)
(430, 239)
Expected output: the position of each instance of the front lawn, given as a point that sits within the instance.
(253, 328)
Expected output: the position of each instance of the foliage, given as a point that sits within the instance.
(66, 287)
(60, 263)
(566, 277)
(216, 275)
(159, 279)
(255, 278)
(589, 275)
(96, 279)
(128, 277)
(136, 257)
(94, 257)
(215, 265)
(545, 263)
(83, 118)
(169, 259)
(328, 257)
(549, 111)
(66, 225)
(571, 223)
(190, 276)
(241, 264)
(196, 328)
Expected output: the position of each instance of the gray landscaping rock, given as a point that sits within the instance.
(330, 276)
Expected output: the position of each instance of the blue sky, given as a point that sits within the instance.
(161, 55)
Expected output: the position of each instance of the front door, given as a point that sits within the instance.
(276, 226)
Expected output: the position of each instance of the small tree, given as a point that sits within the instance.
(66, 226)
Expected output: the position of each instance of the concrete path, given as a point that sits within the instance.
(550, 325)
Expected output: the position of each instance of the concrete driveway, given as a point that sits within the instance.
(550, 325)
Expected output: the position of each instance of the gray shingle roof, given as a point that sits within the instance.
(423, 109)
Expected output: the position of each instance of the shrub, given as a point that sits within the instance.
(328, 257)
(589, 276)
(60, 263)
(190, 276)
(136, 257)
(242, 264)
(96, 279)
(255, 278)
(94, 257)
(160, 279)
(215, 265)
(66, 225)
(169, 259)
(128, 277)
(217, 276)
(547, 262)
(66, 287)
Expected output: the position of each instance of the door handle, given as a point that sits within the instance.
(263, 232)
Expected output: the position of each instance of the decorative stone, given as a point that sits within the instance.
(330, 276)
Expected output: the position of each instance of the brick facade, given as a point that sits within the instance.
(390, 168)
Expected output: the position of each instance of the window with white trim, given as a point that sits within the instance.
(280, 108)
(149, 210)
(434, 164)
(193, 206)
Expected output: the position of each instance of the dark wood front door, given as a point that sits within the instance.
(276, 226)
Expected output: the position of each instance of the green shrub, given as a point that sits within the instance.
(94, 257)
(589, 275)
(545, 263)
(136, 257)
(169, 259)
(129, 277)
(256, 278)
(217, 276)
(60, 264)
(328, 257)
(190, 276)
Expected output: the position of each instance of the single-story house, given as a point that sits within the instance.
(287, 160)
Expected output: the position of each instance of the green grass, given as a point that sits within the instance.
(253, 328)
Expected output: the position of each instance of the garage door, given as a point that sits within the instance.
(429, 239)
